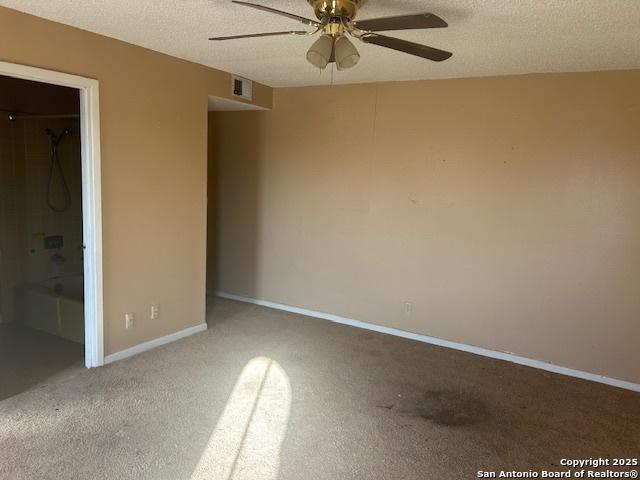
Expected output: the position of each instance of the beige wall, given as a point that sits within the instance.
(154, 138)
(506, 209)
(211, 201)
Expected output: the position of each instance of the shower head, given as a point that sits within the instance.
(57, 138)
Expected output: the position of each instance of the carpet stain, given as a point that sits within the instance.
(448, 408)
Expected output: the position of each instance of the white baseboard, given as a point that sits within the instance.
(143, 347)
(506, 356)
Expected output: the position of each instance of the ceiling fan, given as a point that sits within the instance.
(336, 19)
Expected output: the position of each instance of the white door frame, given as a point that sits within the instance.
(91, 197)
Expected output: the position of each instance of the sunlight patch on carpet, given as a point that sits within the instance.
(247, 439)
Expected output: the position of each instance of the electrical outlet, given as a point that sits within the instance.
(129, 319)
(155, 312)
(408, 308)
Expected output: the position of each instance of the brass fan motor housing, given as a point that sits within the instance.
(346, 9)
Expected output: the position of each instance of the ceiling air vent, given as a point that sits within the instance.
(241, 87)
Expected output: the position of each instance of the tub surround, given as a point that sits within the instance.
(55, 306)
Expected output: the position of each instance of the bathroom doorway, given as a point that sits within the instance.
(50, 223)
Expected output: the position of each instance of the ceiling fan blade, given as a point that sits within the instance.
(253, 35)
(403, 22)
(304, 20)
(405, 46)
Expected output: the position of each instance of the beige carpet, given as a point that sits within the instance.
(270, 395)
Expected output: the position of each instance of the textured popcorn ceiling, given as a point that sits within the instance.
(487, 37)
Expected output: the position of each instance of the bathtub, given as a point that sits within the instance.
(54, 306)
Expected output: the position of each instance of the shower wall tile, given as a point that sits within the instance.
(24, 213)
(12, 218)
(40, 218)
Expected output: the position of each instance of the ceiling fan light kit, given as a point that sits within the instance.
(320, 52)
(345, 53)
(336, 20)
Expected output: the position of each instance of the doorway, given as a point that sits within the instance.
(74, 273)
